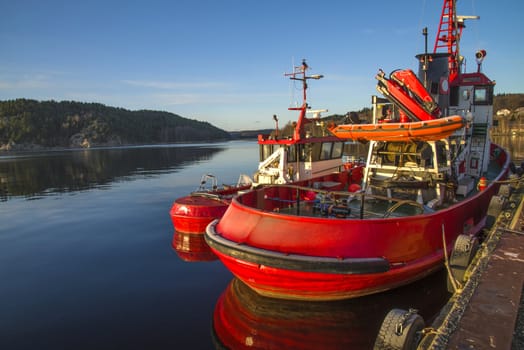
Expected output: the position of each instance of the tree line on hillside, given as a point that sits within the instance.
(511, 102)
(78, 124)
(319, 127)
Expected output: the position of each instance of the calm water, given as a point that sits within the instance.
(89, 260)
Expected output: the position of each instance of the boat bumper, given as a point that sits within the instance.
(293, 261)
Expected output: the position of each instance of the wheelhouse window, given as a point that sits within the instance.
(483, 95)
(338, 148)
(266, 151)
(325, 152)
(292, 153)
(304, 153)
(315, 152)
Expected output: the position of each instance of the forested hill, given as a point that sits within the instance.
(512, 102)
(28, 123)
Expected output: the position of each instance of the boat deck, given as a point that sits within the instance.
(347, 205)
(355, 208)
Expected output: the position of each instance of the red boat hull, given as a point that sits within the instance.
(302, 285)
(322, 258)
(191, 214)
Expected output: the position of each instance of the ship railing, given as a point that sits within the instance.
(310, 201)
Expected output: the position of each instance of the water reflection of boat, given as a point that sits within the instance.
(243, 319)
(418, 196)
(190, 247)
(310, 154)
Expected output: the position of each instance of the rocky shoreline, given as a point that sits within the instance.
(77, 141)
(23, 147)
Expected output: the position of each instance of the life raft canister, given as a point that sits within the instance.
(483, 183)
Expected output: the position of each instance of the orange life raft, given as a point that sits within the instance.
(426, 130)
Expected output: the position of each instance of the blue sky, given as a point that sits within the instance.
(224, 61)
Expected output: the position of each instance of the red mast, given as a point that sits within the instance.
(449, 31)
(449, 34)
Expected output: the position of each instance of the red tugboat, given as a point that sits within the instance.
(310, 155)
(418, 193)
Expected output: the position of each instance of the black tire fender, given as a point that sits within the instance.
(464, 250)
(400, 330)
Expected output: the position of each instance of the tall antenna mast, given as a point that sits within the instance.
(449, 34)
(299, 73)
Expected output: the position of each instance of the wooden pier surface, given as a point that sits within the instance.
(486, 313)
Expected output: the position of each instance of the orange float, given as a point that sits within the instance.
(426, 130)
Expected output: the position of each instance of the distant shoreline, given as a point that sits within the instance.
(33, 148)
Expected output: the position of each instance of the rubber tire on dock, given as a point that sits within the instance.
(496, 205)
(388, 337)
(464, 250)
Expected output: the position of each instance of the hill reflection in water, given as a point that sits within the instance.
(43, 174)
